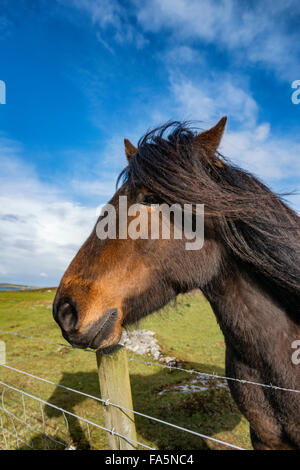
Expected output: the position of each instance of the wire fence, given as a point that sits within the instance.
(157, 364)
(22, 414)
(25, 421)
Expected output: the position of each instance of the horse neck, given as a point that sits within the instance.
(254, 325)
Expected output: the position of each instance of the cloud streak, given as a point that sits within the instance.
(40, 230)
(247, 142)
(244, 30)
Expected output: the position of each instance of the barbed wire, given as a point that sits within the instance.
(65, 345)
(166, 366)
(107, 402)
(215, 376)
(62, 410)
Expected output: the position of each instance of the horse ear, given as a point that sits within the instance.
(211, 139)
(130, 149)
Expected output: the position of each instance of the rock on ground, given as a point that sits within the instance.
(143, 342)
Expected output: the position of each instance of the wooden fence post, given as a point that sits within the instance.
(115, 386)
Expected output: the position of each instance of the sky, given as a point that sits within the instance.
(81, 75)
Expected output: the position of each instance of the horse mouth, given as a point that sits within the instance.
(101, 335)
(105, 328)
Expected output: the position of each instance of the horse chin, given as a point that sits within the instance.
(110, 344)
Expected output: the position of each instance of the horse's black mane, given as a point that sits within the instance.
(258, 227)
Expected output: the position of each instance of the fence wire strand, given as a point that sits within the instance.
(109, 403)
(166, 366)
(69, 413)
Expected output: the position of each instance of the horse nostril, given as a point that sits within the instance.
(67, 317)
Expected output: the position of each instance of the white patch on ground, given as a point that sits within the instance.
(143, 342)
(195, 384)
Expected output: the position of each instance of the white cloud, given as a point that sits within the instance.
(211, 98)
(40, 229)
(258, 151)
(247, 142)
(101, 12)
(183, 54)
(256, 33)
(97, 187)
(109, 13)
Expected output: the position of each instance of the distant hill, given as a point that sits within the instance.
(7, 286)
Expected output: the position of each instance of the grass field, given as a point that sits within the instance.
(188, 331)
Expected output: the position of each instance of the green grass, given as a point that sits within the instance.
(188, 331)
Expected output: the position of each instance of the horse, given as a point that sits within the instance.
(248, 270)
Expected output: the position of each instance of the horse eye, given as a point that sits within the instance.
(149, 199)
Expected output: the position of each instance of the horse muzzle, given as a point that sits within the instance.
(104, 332)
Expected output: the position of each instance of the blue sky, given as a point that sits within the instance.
(83, 74)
